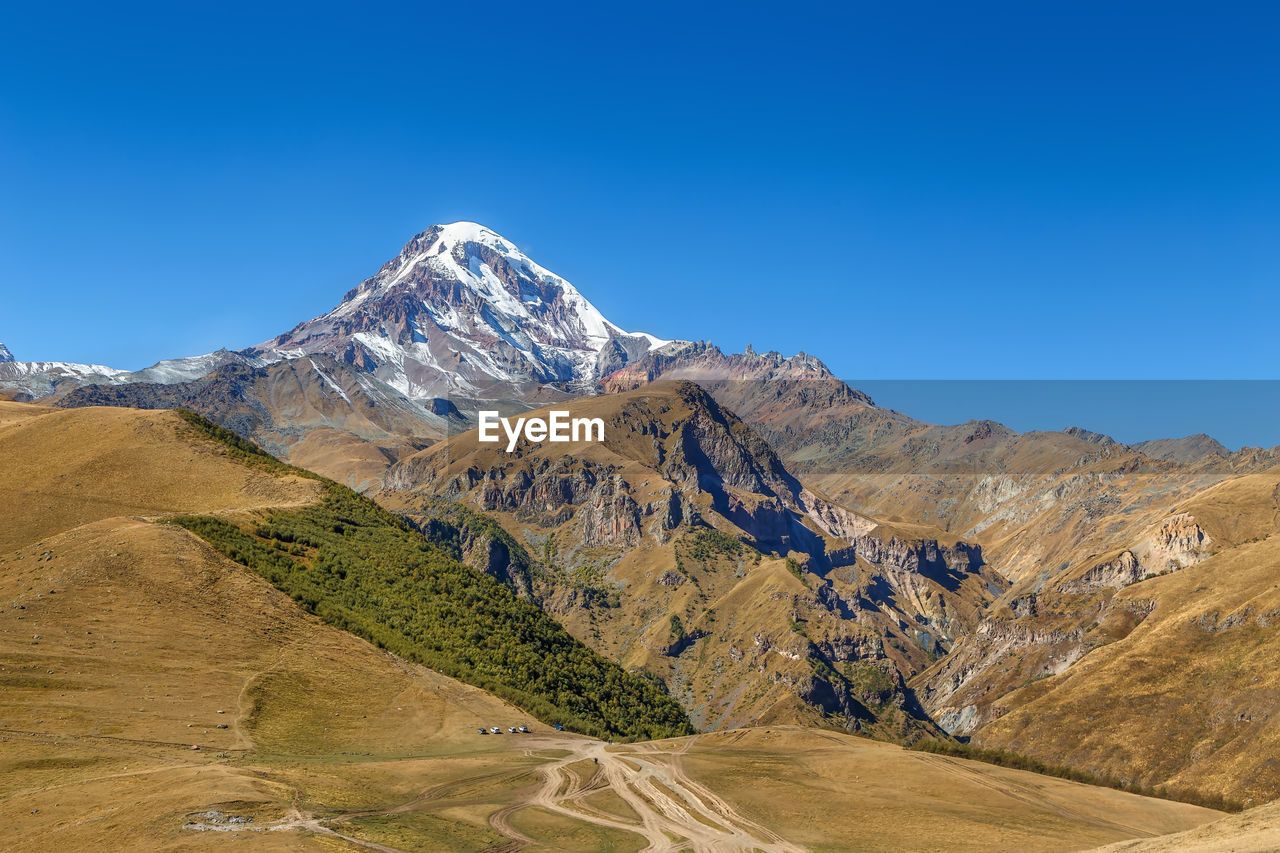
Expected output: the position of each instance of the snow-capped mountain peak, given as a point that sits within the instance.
(461, 309)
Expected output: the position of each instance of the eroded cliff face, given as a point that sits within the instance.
(715, 450)
(1178, 542)
(835, 520)
(1113, 574)
(1031, 635)
(1176, 673)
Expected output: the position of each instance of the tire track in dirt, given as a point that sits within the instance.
(674, 812)
(1021, 793)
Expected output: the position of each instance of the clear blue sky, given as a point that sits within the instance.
(908, 190)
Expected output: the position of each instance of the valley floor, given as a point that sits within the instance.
(773, 790)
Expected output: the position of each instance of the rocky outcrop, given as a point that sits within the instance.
(942, 563)
(1116, 574)
(1188, 450)
(835, 520)
(620, 351)
(947, 691)
(610, 516)
(1214, 622)
(713, 450)
(865, 695)
(1043, 633)
(1175, 543)
(542, 490)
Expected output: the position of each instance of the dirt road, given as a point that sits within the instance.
(675, 813)
(671, 811)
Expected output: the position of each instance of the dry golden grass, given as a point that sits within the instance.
(570, 834)
(1239, 510)
(1186, 700)
(60, 468)
(123, 642)
(12, 412)
(103, 755)
(341, 456)
(1254, 831)
(836, 792)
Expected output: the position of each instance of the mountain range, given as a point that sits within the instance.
(757, 538)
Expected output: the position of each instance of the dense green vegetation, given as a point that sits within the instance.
(365, 570)
(1004, 758)
(706, 543)
(869, 683)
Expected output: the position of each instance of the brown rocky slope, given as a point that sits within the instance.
(681, 546)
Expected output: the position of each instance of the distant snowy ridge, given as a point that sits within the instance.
(174, 370)
(40, 378)
(5, 355)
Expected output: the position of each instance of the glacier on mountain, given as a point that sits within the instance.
(462, 310)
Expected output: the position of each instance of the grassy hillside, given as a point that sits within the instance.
(1255, 831)
(1180, 692)
(833, 792)
(325, 732)
(1185, 701)
(61, 468)
(361, 568)
(124, 644)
